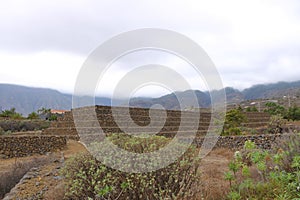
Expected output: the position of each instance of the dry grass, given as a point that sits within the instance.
(212, 185)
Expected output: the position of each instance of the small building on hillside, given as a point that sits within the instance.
(59, 112)
(52, 114)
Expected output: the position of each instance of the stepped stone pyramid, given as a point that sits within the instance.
(105, 119)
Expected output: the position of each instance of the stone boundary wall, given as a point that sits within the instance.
(20, 146)
(266, 141)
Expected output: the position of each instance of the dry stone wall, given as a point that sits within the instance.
(87, 123)
(20, 146)
(266, 141)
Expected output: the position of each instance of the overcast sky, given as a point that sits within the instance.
(44, 43)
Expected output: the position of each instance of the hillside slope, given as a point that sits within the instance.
(29, 99)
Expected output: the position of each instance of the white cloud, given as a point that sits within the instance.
(44, 69)
(44, 43)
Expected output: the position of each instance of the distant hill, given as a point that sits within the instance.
(275, 90)
(29, 99)
(263, 91)
(170, 101)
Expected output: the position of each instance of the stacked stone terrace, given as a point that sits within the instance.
(20, 146)
(256, 119)
(85, 121)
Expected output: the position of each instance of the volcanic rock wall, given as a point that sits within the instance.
(86, 122)
(20, 146)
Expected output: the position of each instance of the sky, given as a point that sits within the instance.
(45, 43)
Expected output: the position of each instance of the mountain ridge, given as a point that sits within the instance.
(28, 99)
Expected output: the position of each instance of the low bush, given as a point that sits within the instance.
(88, 178)
(233, 122)
(33, 115)
(276, 124)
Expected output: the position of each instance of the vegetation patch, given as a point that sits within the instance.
(8, 126)
(261, 174)
(87, 178)
(292, 113)
(233, 122)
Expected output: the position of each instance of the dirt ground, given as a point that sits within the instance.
(47, 183)
(73, 147)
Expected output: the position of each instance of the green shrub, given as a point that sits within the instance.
(234, 131)
(87, 177)
(279, 172)
(1, 131)
(276, 124)
(11, 114)
(293, 113)
(251, 109)
(33, 115)
(233, 122)
(275, 109)
(52, 117)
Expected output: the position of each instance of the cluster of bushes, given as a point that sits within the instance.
(262, 174)
(12, 114)
(8, 126)
(88, 178)
(251, 109)
(280, 115)
(293, 113)
(11, 121)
